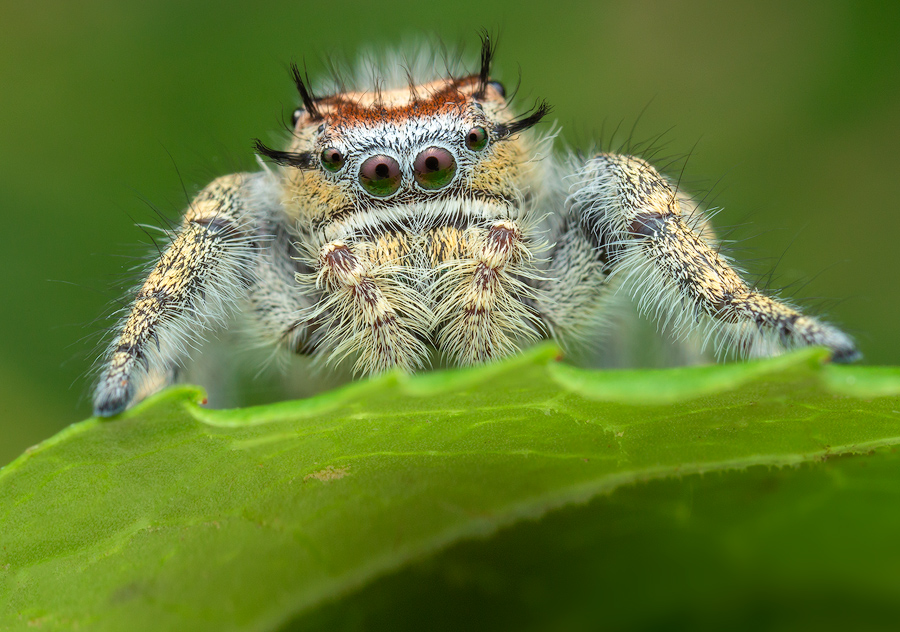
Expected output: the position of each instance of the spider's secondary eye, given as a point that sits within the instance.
(332, 159)
(434, 168)
(296, 115)
(496, 85)
(477, 139)
(380, 175)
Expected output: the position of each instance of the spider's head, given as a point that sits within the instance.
(450, 140)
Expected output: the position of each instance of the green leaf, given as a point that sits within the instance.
(472, 484)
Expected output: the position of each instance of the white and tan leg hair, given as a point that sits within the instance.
(371, 306)
(646, 239)
(484, 300)
(220, 257)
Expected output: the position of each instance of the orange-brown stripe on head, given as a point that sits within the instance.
(443, 96)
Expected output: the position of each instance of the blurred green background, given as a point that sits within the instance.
(791, 115)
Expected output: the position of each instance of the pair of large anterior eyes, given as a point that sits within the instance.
(433, 168)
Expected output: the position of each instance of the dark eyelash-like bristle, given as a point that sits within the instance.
(306, 95)
(507, 130)
(302, 160)
(487, 55)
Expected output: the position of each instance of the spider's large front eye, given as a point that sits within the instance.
(380, 175)
(477, 139)
(332, 159)
(434, 168)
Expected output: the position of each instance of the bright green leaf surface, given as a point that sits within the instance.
(176, 517)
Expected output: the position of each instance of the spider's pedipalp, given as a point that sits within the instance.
(484, 309)
(375, 317)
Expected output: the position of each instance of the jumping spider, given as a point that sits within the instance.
(421, 217)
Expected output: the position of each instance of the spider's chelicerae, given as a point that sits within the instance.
(422, 217)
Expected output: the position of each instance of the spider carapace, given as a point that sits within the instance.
(416, 218)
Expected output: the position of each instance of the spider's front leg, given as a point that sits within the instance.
(194, 285)
(634, 218)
